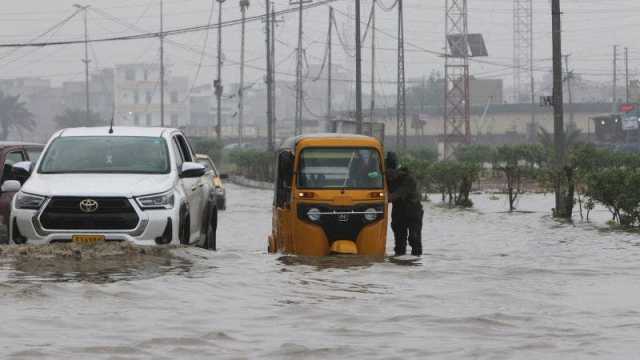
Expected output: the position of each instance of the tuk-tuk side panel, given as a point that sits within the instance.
(372, 240)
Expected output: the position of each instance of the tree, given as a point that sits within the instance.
(14, 115)
(517, 163)
(78, 118)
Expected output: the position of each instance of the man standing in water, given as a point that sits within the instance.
(407, 213)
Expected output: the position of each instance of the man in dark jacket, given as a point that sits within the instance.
(406, 217)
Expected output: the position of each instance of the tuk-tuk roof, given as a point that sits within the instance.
(347, 139)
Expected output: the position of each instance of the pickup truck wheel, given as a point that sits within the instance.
(184, 232)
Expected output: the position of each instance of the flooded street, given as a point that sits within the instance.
(492, 285)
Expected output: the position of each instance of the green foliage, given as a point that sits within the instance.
(518, 163)
(78, 118)
(454, 179)
(612, 179)
(253, 164)
(208, 146)
(14, 115)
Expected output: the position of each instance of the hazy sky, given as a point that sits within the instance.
(591, 28)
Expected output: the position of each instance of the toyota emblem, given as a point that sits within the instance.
(88, 206)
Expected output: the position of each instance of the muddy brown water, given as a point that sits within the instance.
(492, 285)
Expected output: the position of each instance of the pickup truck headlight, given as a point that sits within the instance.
(26, 201)
(156, 201)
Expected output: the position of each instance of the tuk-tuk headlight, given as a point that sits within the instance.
(314, 214)
(370, 214)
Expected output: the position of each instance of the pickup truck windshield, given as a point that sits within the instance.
(340, 168)
(106, 154)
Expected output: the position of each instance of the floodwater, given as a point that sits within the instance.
(492, 285)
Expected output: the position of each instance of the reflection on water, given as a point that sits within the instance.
(101, 263)
(330, 262)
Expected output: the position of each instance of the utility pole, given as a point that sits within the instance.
(299, 91)
(162, 63)
(86, 60)
(330, 70)
(244, 4)
(270, 144)
(626, 73)
(401, 107)
(372, 115)
(561, 191)
(274, 109)
(614, 100)
(218, 83)
(358, 72)
(569, 77)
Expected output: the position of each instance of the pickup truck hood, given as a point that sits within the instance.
(108, 185)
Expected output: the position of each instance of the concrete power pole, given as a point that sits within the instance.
(269, 80)
(86, 60)
(401, 110)
(358, 72)
(244, 4)
(299, 91)
(218, 83)
(162, 82)
(626, 73)
(614, 99)
(329, 70)
(561, 191)
(372, 115)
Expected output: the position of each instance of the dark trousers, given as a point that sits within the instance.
(407, 229)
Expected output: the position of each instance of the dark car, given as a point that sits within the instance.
(12, 153)
(216, 179)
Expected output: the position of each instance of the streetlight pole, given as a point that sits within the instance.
(86, 60)
(162, 63)
(218, 82)
(244, 4)
(358, 72)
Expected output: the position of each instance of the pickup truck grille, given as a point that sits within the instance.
(65, 213)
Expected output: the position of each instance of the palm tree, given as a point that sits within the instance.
(77, 118)
(14, 114)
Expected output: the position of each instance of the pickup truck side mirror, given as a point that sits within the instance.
(10, 186)
(22, 170)
(192, 170)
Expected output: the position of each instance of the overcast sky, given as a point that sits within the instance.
(591, 28)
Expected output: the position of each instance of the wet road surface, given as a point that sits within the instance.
(492, 285)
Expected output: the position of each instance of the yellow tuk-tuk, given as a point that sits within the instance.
(330, 196)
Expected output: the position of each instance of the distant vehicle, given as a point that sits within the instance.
(330, 196)
(12, 153)
(141, 185)
(216, 180)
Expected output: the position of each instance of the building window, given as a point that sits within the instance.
(149, 97)
(146, 75)
(174, 120)
(174, 97)
(130, 75)
(148, 120)
(136, 120)
(136, 97)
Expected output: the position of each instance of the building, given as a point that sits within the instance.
(41, 99)
(137, 97)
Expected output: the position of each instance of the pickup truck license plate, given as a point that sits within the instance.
(87, 239)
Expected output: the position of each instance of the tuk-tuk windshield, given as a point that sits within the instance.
(340, 168)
